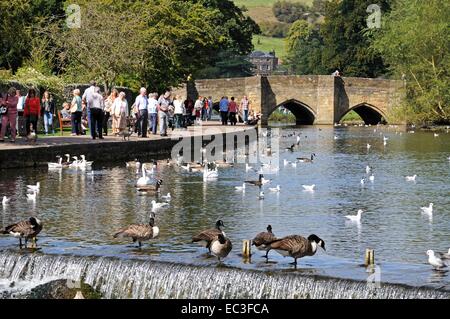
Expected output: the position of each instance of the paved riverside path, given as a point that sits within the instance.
(24, 154)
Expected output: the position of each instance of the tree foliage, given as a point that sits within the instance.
(415, 41)
(347, 46)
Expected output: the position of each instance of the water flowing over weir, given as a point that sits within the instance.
(117, 278)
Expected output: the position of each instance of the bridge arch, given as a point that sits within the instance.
(369, 113)
(304, 114)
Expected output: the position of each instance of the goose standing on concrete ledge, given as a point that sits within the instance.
(296, 246)
(221, 246)
(263, 240)
(139, 232)
(206, 237)
(27, 229)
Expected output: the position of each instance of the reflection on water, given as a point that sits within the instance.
(81, 211)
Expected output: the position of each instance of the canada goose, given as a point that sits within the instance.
(144, 180)
(156, 206)
(240, 188)
(355, 218)
(206, 237)
(435, 261)
(291, 148)
(32, 197)
(309, 188)
(34, 188)
(297, 246)
(258, 182)
(276, 189)
(151, 188)
(263, 240)
(139, 232)
(27, 229)
(221, 246)
(5, 200)
(427, 210)
(411, 178)
(306, 160)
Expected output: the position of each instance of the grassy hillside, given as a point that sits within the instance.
(261, 11)
(267, 44)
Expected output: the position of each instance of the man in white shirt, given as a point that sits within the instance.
(97, 104)
(142, 106)
(20, 106)
(153, 112)
(244, 106)
(87, 95)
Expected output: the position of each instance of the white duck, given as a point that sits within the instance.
(368, 169)
(309, 188)
(144, 180)
(411, 178)
(363, 180)
(276, 189)
(427, 210)
(5, 200)
(208, 173)
(248, 167)
(34, 188)
(240, 188)
(355, 218)
(156, 206)
(32, 196)
(167, 197)
(435, 261)
(372, 178)
(56, 165)
(368, 146)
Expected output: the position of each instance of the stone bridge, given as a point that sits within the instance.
(313, 99)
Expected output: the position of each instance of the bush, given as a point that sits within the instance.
(275, 29)
(289, 12)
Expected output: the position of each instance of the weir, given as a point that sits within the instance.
(120, 278)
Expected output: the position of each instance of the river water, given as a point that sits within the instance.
(82, 211)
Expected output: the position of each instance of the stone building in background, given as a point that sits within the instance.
(264, 63)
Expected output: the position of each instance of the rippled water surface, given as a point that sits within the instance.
(81, 212)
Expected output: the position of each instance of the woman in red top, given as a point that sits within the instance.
(32, 110)
(10, 101)
(232, 110)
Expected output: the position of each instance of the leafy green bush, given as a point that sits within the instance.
(274, 29)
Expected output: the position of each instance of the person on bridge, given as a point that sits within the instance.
(232, 109)
(244, 107)
(223, 107)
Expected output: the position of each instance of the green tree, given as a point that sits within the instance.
(347, 45)
(415, 41)
(304, 46)
(227, 65)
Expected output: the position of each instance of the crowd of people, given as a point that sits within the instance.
(95, 110)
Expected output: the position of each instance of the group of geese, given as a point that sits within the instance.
(76, 163)
(32, 191)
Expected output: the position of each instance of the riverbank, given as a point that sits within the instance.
(112, 149)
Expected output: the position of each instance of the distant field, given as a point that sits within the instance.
(264, 3)
(268, 44)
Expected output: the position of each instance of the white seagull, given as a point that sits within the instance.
(436, 134)
(275, 189)
(167, 197)
(156, 205)
(368, 169)
(411, 178)
(355, 218)
(435, 261)
(427, 210)
(5, 200)
(34, 188)
(363, 180)
(372, 177)
(240, 188)
(309, 188)
(368, 146)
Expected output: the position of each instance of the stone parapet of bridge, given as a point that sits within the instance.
(313, 99)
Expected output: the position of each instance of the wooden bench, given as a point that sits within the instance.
(63, 123)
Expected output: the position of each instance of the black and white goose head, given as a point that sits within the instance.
(219, 224)
(269, 228)
(316, 241)
(35, 222)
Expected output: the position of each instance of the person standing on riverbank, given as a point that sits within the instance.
(178, 104)
(232, 110)
(198, 106)
(76, 110)
(210, 107)
(142, 107)
(223, 107)
(48, 110)
(153, 112)
(97, 105)
(245, 107)
(87, 96)
(164, 104)
(10, 103)
(107, 112)
(32, 111)
(119, 111)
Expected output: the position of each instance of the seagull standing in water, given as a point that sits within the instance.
(411, 178)
(309, 188)
(5, 200)
(355, 218)
(435, 261)
(427, 210)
